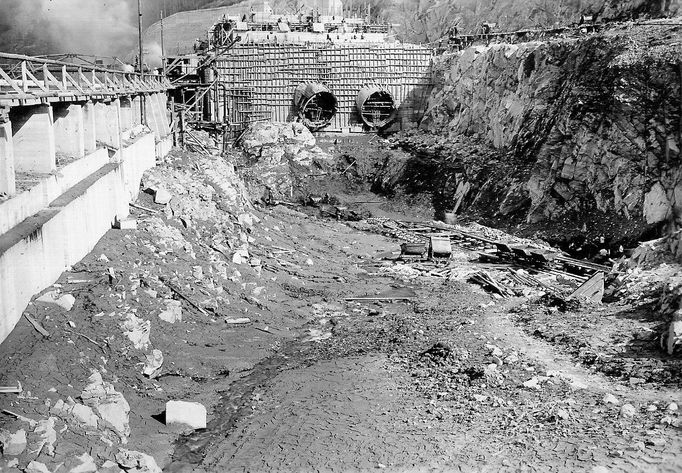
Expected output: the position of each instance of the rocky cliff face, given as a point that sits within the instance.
(582, 128)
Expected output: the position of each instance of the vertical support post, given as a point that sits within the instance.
(89, 128)
(7, 177)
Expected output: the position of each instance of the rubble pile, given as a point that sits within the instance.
(279, 159)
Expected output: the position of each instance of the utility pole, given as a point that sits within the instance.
(139, 36)
(163, 50)
(143, 101)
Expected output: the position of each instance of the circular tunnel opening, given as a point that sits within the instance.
(376, 107)
(316, 105)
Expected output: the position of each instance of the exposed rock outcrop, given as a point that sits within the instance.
(581, 126)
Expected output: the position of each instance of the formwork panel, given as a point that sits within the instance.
(271, 73)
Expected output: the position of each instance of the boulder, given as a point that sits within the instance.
(153, 365)
(13, 444)
(86, 464)
(657, 207)
(173, 312)
(137, 462)
(110, 404)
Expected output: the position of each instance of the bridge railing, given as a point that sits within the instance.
(26, 77)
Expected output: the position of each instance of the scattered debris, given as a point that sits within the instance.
(37, 325)
(238, 321)
(484, 279)
(11, 389)
(179, 293)
(591, 290)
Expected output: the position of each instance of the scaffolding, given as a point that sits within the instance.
(272, 73)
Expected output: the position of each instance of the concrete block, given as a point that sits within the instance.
(33, 139)
(190, 414)
(125, 223)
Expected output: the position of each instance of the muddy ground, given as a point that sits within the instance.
(449, 379)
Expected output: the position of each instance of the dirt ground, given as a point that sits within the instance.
(450, 379)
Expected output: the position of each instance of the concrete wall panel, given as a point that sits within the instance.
(69, 131)
(33, 136)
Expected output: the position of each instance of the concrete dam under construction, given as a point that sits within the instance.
(331, 73)
(401, 236)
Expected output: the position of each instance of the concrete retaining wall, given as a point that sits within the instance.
(83, 202)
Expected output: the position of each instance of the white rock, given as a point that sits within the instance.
(672, 407)
(197, 272)
(628, 411)
(190, 414)
(240, 256)
(162, 196)
(66, 301)
(173, 312)
(110, 467)
(136, 462)
(309, 262)
(610, 399)
(153, 365)
(87, 465)
(36, 467)
(13, 444)
(562, 414)
(103, 258)
(85, 415)
(47, 436)
(245, 220)
(110, 404)
(137, 330)
(533, 383)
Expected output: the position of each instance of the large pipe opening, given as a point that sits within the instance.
(376, 106)
(316, 105)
